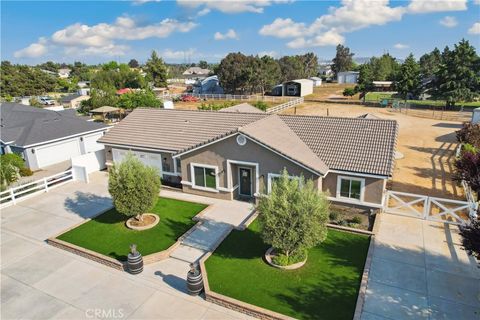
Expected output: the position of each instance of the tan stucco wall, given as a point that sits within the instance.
(218, 153)
(373, 187)
(218, 195)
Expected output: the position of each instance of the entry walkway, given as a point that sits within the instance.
(420, 271)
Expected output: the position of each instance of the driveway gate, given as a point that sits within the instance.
(429, 208)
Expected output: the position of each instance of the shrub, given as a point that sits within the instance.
(356, 220)
(134, 186)
(212, 106)
(261, 105)
(294, 216)
(471, 237)
(284, 260)
(470, 133)
(467, 147)
(10, 166)
(333, 216)
(467, 168)
(25, 172)
(349, 92)
(14, 159)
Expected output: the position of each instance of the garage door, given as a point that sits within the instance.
(90, 142)
(59, 152)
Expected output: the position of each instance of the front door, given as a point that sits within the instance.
(245, 188)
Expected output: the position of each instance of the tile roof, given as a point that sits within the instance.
(25, 125)
(320, 143)
(349, 144)
(243, 107)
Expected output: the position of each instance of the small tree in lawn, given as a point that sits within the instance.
(293, 218)
(134, 187)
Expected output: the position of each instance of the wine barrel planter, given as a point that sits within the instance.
(135, 261)
(194, 281)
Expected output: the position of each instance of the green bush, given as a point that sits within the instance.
(261, 105)
(284, 260)
(10, 166)
(333, 215)
(134, 186)
(14, 159)
(356, 220)
(25, 172)
(212, 106)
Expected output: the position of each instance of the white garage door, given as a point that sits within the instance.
(56, 153)
(90, 142)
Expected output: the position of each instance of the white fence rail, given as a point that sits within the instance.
(232, 97)
(429, 208)
(13, 195)
(285, 105)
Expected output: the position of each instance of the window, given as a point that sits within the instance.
(165, 165)
(273, 177)
(351, 188)
(179, 165)
(204, 177)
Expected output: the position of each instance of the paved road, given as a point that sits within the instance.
(39, 281)
(419, 271)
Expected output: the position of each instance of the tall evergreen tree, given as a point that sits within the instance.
(430, 62)
(234, 72)
(408, 81)
(156, 70)
(343, 60)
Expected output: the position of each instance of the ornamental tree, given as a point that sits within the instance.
(133, 186)
(293, 216)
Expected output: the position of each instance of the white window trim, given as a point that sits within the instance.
(276, 175)
(192, 175)
(251, 181)
(362, 188)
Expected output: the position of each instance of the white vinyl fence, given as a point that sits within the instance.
(13, 195)
(233, 97)
(285, 105)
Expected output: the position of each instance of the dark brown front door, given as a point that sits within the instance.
(245, 188)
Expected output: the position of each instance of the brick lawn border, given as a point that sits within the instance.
(114, 263)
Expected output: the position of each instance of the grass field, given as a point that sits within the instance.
(108, 235)
(326, 287)
(377, 96)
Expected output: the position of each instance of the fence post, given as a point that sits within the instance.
(12, 196)
(45, 183)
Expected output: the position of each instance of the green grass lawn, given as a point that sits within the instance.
(326, 287)
(377, 96)
(108, 235)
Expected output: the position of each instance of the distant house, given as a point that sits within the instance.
(348, 77)
(325, 69)
(298, 87)
(83, 84)
(238, 155)
(317, 82)
(382, 86)
(209, 85)
(73, 100)
(196, 72)
(64, 73)
(43, 137)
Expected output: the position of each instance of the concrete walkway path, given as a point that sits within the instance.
(420, 271)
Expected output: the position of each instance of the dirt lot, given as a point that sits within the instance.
(428, 147)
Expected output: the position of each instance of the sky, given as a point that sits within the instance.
(188, 31)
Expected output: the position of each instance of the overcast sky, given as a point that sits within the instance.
(186, 31)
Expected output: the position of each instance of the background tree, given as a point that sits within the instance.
(291, 68)
(471, 237)
(134, 187)
(384, 68)
(156, 70)
(234, 72)
(138, 99)
(409, 81)
(293, 217)
(310, 64)
(343, 60)
(365, 80)
(430, 63)
(133, 63)
(458, 77)
(23, 80)
(203, 64)
(266, 73)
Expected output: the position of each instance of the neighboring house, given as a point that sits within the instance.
(348, 77)
(196, 73)
(209, 85)
(64, 73)
(382, 86)
(235, 155)
(45, 137)
(317, 82)
(298, 87)
(73, 100)
(84, 88)
(83, 84)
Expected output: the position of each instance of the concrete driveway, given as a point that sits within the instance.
(39, 281)
(419, 271)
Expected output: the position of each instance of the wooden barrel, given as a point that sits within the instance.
(135, 263)
(194, 282)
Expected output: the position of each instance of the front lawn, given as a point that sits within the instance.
(325, 288)
(108, 235)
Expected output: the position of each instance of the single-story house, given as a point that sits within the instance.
(382, 86)
(348, 77)
(236, 155)
(43, 137)
(73, 100)
(196, 72)
(317, 82)
(298, 87)
(64, 73)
